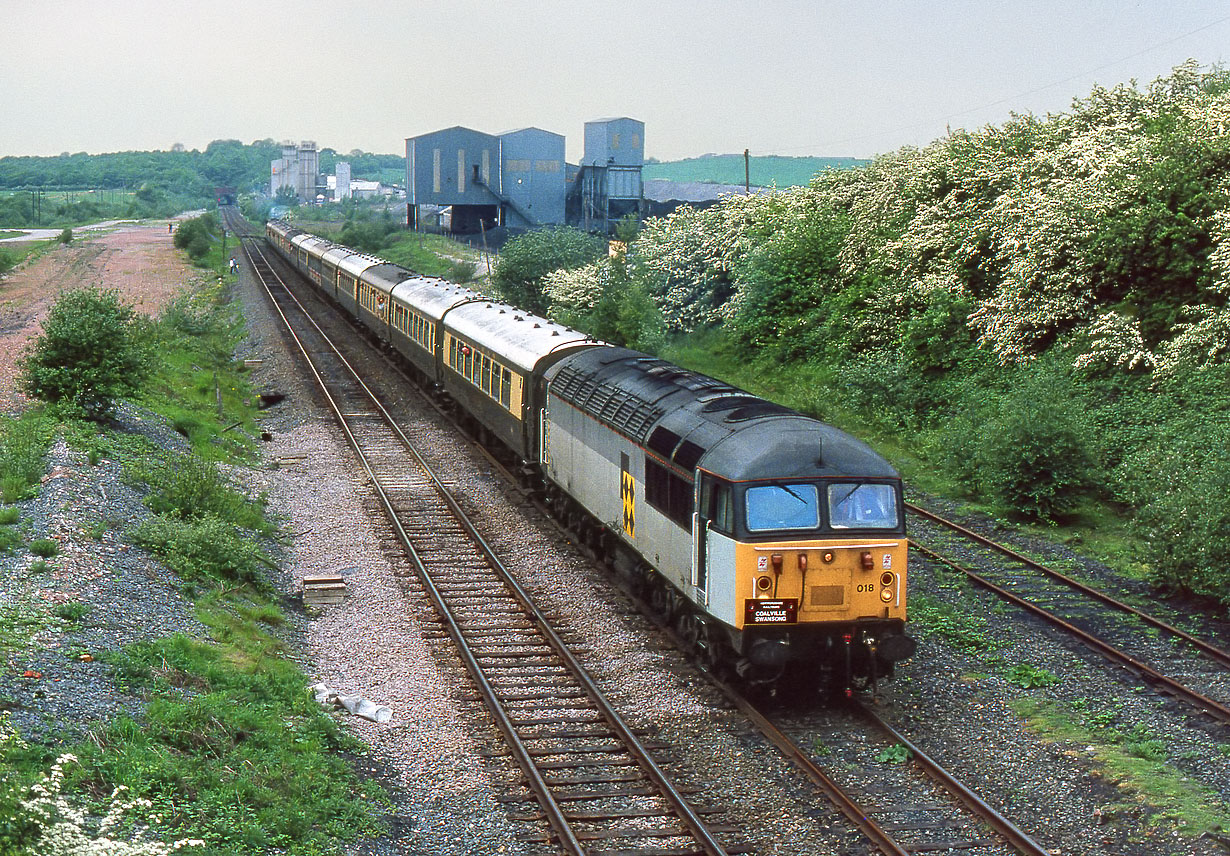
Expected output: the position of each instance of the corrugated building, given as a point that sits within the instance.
(513, 179)
(454, 168)
(608, 185)
(532, 177)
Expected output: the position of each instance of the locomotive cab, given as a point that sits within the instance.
(817, 568)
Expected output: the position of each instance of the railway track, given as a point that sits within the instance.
(898, 809)
(1174, 661)
(591, 784)
(904, 800)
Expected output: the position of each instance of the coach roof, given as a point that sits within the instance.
(520, 338)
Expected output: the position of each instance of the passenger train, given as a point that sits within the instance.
(774, 542)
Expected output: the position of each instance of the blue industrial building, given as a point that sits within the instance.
(608, 184)
(520, 179)
(533, 174)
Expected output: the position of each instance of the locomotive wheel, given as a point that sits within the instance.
(660, 600)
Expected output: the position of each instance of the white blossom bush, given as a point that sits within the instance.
(66, 828)
(1115, 341)
(1034, 226)
(575, 291)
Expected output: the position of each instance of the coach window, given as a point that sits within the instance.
(506, 388)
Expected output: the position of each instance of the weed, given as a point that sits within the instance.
(965, 631)
(23, 448)
(39, 567)
(189, 488)
(204, 550)
(1105, 718)
(45, 548)
(1135, 762)
(73, 611)
(9, 515)
(820, 748)
(246, 760)
(1030, 677)
(895, 754)
(22, 616)
(1150, 750)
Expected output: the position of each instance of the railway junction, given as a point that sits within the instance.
(453, 780)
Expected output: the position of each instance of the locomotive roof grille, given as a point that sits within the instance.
(612, 407)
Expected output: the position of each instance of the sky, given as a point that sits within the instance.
(790, 77)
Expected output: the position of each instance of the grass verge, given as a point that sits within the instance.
(228, 747)
(1138, 765)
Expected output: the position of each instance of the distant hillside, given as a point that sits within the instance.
(765, 171)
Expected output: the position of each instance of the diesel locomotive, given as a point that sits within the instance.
(775, 542)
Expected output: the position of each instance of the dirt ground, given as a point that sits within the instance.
(137, 260)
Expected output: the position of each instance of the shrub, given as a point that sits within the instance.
(1024, 447)
(93, 350)
(66, 237)
(206, 549)
(526, 259)
(197, 236)
(45, 548)
(1035, 457)
(9, 516)
(370, 237)
(462, 271)
(1186, 521)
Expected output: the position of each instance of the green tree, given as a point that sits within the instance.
(197, 235)
(93, 350)
(525, 260)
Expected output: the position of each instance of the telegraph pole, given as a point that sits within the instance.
(747, 173)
